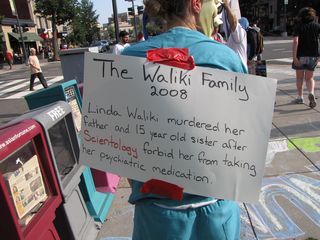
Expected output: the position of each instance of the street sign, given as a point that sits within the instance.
(286, 2)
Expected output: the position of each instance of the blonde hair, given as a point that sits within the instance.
(33, 50)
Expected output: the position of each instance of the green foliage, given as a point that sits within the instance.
(59, 11)
(84, 24)
(112, 32)
(154, 27)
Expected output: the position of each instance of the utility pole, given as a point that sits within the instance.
(115, 19)
(285, 18)
(15, 13)
(134, 20)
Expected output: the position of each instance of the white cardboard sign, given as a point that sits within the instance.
(205, 130)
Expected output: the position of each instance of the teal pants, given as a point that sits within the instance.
(217, 221)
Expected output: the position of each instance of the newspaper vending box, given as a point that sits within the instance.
(98, 202)
(29, 191)
(73, 220)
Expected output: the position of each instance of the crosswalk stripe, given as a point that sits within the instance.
(23, 88)
(11, 82)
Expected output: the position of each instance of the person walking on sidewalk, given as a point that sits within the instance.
(305, 52)
(9, 58)
(35, 70)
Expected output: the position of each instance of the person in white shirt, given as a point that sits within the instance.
(124, 39)
(35, 70)
(238, 36)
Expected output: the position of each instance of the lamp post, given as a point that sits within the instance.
(115, 19)
(134, 19)
(284, 34)
(132, 12)
(15, 13)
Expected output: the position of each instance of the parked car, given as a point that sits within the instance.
(103, 45)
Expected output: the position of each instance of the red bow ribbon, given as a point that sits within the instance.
(176, 57)
(162, 188)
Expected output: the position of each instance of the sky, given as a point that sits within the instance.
(105, 10)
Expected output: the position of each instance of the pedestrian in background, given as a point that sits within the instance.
(217, 22)
(124, 42)
(159, 216)
(305, 52)
(35, 70)
(238, 35)
(254, 47)
(140, 37)
(9, 58)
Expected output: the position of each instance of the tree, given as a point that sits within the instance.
(85, 24)
(59, 12)
(111, 31)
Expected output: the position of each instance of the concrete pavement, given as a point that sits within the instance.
(289, 206)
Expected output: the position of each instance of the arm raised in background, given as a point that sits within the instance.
(232, 18)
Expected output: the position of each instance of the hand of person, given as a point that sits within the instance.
(250, 62)
(296, 62)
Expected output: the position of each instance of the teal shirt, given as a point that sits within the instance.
(206, 53)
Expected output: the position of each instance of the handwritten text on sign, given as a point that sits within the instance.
(205, 130)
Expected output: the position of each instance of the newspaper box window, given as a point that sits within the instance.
(63, 151)
(29, 190)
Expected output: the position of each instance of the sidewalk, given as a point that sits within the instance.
(19, 67)
(289, 206)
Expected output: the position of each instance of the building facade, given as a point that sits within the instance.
(36, 30)
(11, 38)
(275, 16)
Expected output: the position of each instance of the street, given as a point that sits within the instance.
(15, 84)
(277, 49)
(289, 206)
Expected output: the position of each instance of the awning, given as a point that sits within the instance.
(27, 36)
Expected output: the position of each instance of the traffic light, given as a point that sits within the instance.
(131, 11)
(140, 10)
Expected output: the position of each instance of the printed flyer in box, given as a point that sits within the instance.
(76, 114)
(26, 186)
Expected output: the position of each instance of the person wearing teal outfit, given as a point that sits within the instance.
(193, 217)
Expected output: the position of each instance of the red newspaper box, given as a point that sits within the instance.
(29, 191)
